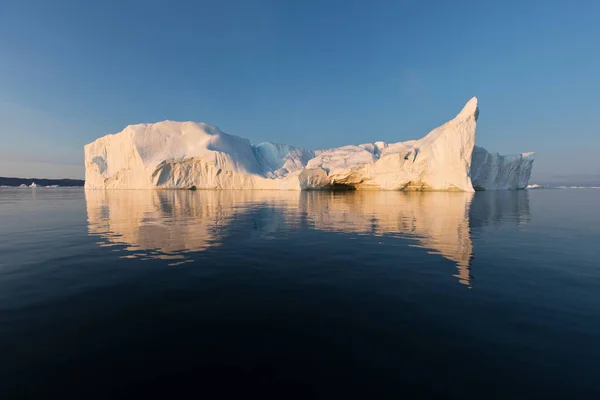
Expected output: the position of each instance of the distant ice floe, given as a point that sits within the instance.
(578, 187)
(35, 186)
(536, 186)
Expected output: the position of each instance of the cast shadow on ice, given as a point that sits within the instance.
(171, 225)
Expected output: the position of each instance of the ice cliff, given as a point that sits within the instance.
(492, 171)
(196, 155)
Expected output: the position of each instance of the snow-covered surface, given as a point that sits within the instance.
(187, 155)
(439, 161)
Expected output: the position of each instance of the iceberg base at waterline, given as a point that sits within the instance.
(190, 155)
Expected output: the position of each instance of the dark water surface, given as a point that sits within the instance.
(378, 294)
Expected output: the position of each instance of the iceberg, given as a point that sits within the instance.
(191, 155)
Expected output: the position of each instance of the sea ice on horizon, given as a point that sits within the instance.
(186, 155)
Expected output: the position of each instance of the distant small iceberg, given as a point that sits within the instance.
(534, 186)
(33, 185)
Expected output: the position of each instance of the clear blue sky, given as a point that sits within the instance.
(310, 73)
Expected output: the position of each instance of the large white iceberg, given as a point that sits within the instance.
(186, 155)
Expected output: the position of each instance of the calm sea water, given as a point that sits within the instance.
(133, 293)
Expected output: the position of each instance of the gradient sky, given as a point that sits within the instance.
(310, 73)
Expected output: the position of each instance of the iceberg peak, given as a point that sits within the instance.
(469, 109)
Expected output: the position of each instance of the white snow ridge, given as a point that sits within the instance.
(185, 155)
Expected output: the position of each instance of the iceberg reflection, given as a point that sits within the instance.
(437, 221)
(170, 224)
